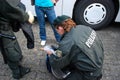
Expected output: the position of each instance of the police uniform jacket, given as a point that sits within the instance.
(10, 12)
(13, 15)
(82, 48)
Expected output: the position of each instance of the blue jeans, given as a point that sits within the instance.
(50, 13)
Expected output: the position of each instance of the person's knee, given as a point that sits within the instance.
(13, 54)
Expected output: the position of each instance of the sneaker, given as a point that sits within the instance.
(43, 42)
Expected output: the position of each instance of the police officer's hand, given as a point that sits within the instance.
(31, 17)
(48, 49)
(49, 52)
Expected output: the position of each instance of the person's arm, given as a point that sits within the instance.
(14, 13)
(59, 62)
(56, 59)
(70, 58)
(62, 53)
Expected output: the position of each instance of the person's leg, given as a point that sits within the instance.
(50, 12)
(41, 21)
(14, 66)
(74, 75)
(99, 77)
(48, 66)
(27, 30)
(92, 76)
(18, 71)
(3, 51)
(13, 55)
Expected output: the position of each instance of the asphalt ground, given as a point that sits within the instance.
(35, 58)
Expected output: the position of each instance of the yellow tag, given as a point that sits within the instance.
(58, 53)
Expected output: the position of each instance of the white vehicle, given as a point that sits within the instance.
(94, 13)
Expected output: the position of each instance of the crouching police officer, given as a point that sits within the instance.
(9, 13)
(80, 53)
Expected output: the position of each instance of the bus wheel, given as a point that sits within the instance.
(94, 13)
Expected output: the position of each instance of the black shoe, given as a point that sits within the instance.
(16, 76)
(19, 73)
(24, 71)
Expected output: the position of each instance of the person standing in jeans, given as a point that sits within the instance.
(45, 8)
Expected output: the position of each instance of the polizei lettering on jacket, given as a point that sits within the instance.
(91, 39)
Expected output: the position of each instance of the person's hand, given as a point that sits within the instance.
(54, 1)
(31, 17)
(48, 50)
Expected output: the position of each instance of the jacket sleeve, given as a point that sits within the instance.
(61, 62)
(65, 46)
(13, 12)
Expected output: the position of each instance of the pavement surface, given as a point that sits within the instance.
(35, 58)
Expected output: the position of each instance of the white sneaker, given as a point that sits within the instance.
(43, 42)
